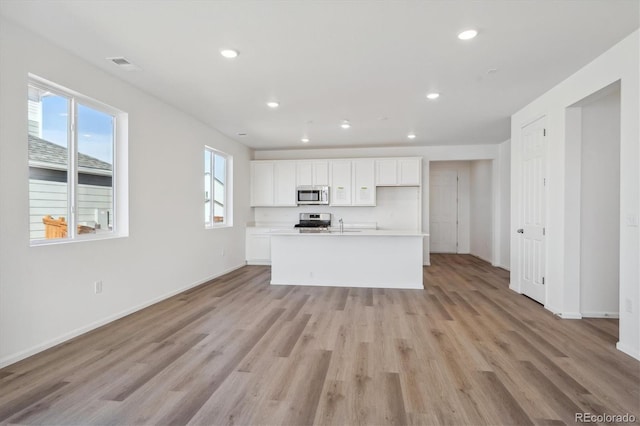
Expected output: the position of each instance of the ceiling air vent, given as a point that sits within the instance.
(124, 63)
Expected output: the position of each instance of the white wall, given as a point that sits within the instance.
(600, 207)
(621, 62)
(504, 223)
(463, 169)
(481, 210)
(46, 292)
(428, 153)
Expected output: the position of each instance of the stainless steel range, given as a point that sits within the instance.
(314, 222)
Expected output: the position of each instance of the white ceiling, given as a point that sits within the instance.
(371, 62)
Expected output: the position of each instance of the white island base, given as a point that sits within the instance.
(374, 259)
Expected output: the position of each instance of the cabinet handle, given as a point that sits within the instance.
(341, 187)
(363, 187)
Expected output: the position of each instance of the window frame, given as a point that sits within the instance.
(210, 222)
(119, 226)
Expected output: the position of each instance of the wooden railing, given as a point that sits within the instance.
(57, 228)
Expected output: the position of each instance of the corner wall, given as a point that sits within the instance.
(621, 62)
(46, 292)
(481, 206)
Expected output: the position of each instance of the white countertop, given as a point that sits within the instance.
(351, 233)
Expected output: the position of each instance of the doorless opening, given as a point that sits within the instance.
(597, 118)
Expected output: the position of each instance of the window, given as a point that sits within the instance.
(72, 150)
(217, 203)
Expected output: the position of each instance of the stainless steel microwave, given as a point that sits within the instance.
(312, 195)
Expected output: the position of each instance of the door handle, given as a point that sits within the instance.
(520, 231)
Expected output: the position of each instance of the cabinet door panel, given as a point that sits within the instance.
(386, 172)
(262, 183)
(409, 173)
(321, 173)
(340, 183)
(285, 183)
(304, 173)
(364, 183)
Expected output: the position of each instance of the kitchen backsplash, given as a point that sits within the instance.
(396, 208)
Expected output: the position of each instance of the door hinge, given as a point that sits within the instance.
(544, 132)
(542, 280)
(544, 231)
(544, 181)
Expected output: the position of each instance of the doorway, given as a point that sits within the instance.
(461, 208)
(443, 209)
(595, 124)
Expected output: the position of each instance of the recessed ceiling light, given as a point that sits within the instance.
(411, 136)
(345, 124)
(273, 104)
(433, 96)
(304, 140)
(229, 53)
(467, 35)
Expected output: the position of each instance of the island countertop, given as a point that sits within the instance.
(351, 233)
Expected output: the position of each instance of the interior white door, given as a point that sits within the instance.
(533, 195)
(443, 211)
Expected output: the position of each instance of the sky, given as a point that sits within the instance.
(95, 128)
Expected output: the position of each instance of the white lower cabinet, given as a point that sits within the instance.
(258, 246)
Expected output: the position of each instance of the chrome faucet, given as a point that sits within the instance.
(341, 226)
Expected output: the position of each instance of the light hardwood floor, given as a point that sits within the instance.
(465, 351)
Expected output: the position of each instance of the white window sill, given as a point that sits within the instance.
(78, 239)
(218, 226)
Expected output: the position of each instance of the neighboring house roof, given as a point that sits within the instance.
(45, 152)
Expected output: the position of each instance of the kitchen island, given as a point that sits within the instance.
(355, 258)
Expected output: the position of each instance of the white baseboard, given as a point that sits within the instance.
(13, 358)
(259, 262)
(570, 315)
(632, 352)
(601, 315)
(513, 288)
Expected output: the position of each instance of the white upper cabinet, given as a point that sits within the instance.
(398, 171)
(352, 182)
(409, 171)
(312, 172)
(340, 183)
(284, 183)
(386, 172)
(364, 187)
(273, 183)
(262, 183)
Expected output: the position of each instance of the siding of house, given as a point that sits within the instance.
(50, 198)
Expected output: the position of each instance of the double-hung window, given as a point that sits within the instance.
(72, 144)
(217, 202)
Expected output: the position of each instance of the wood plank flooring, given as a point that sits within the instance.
(237, 351)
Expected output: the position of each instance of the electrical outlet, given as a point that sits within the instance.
(632, 220)
(97, 287)
(628, 306)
